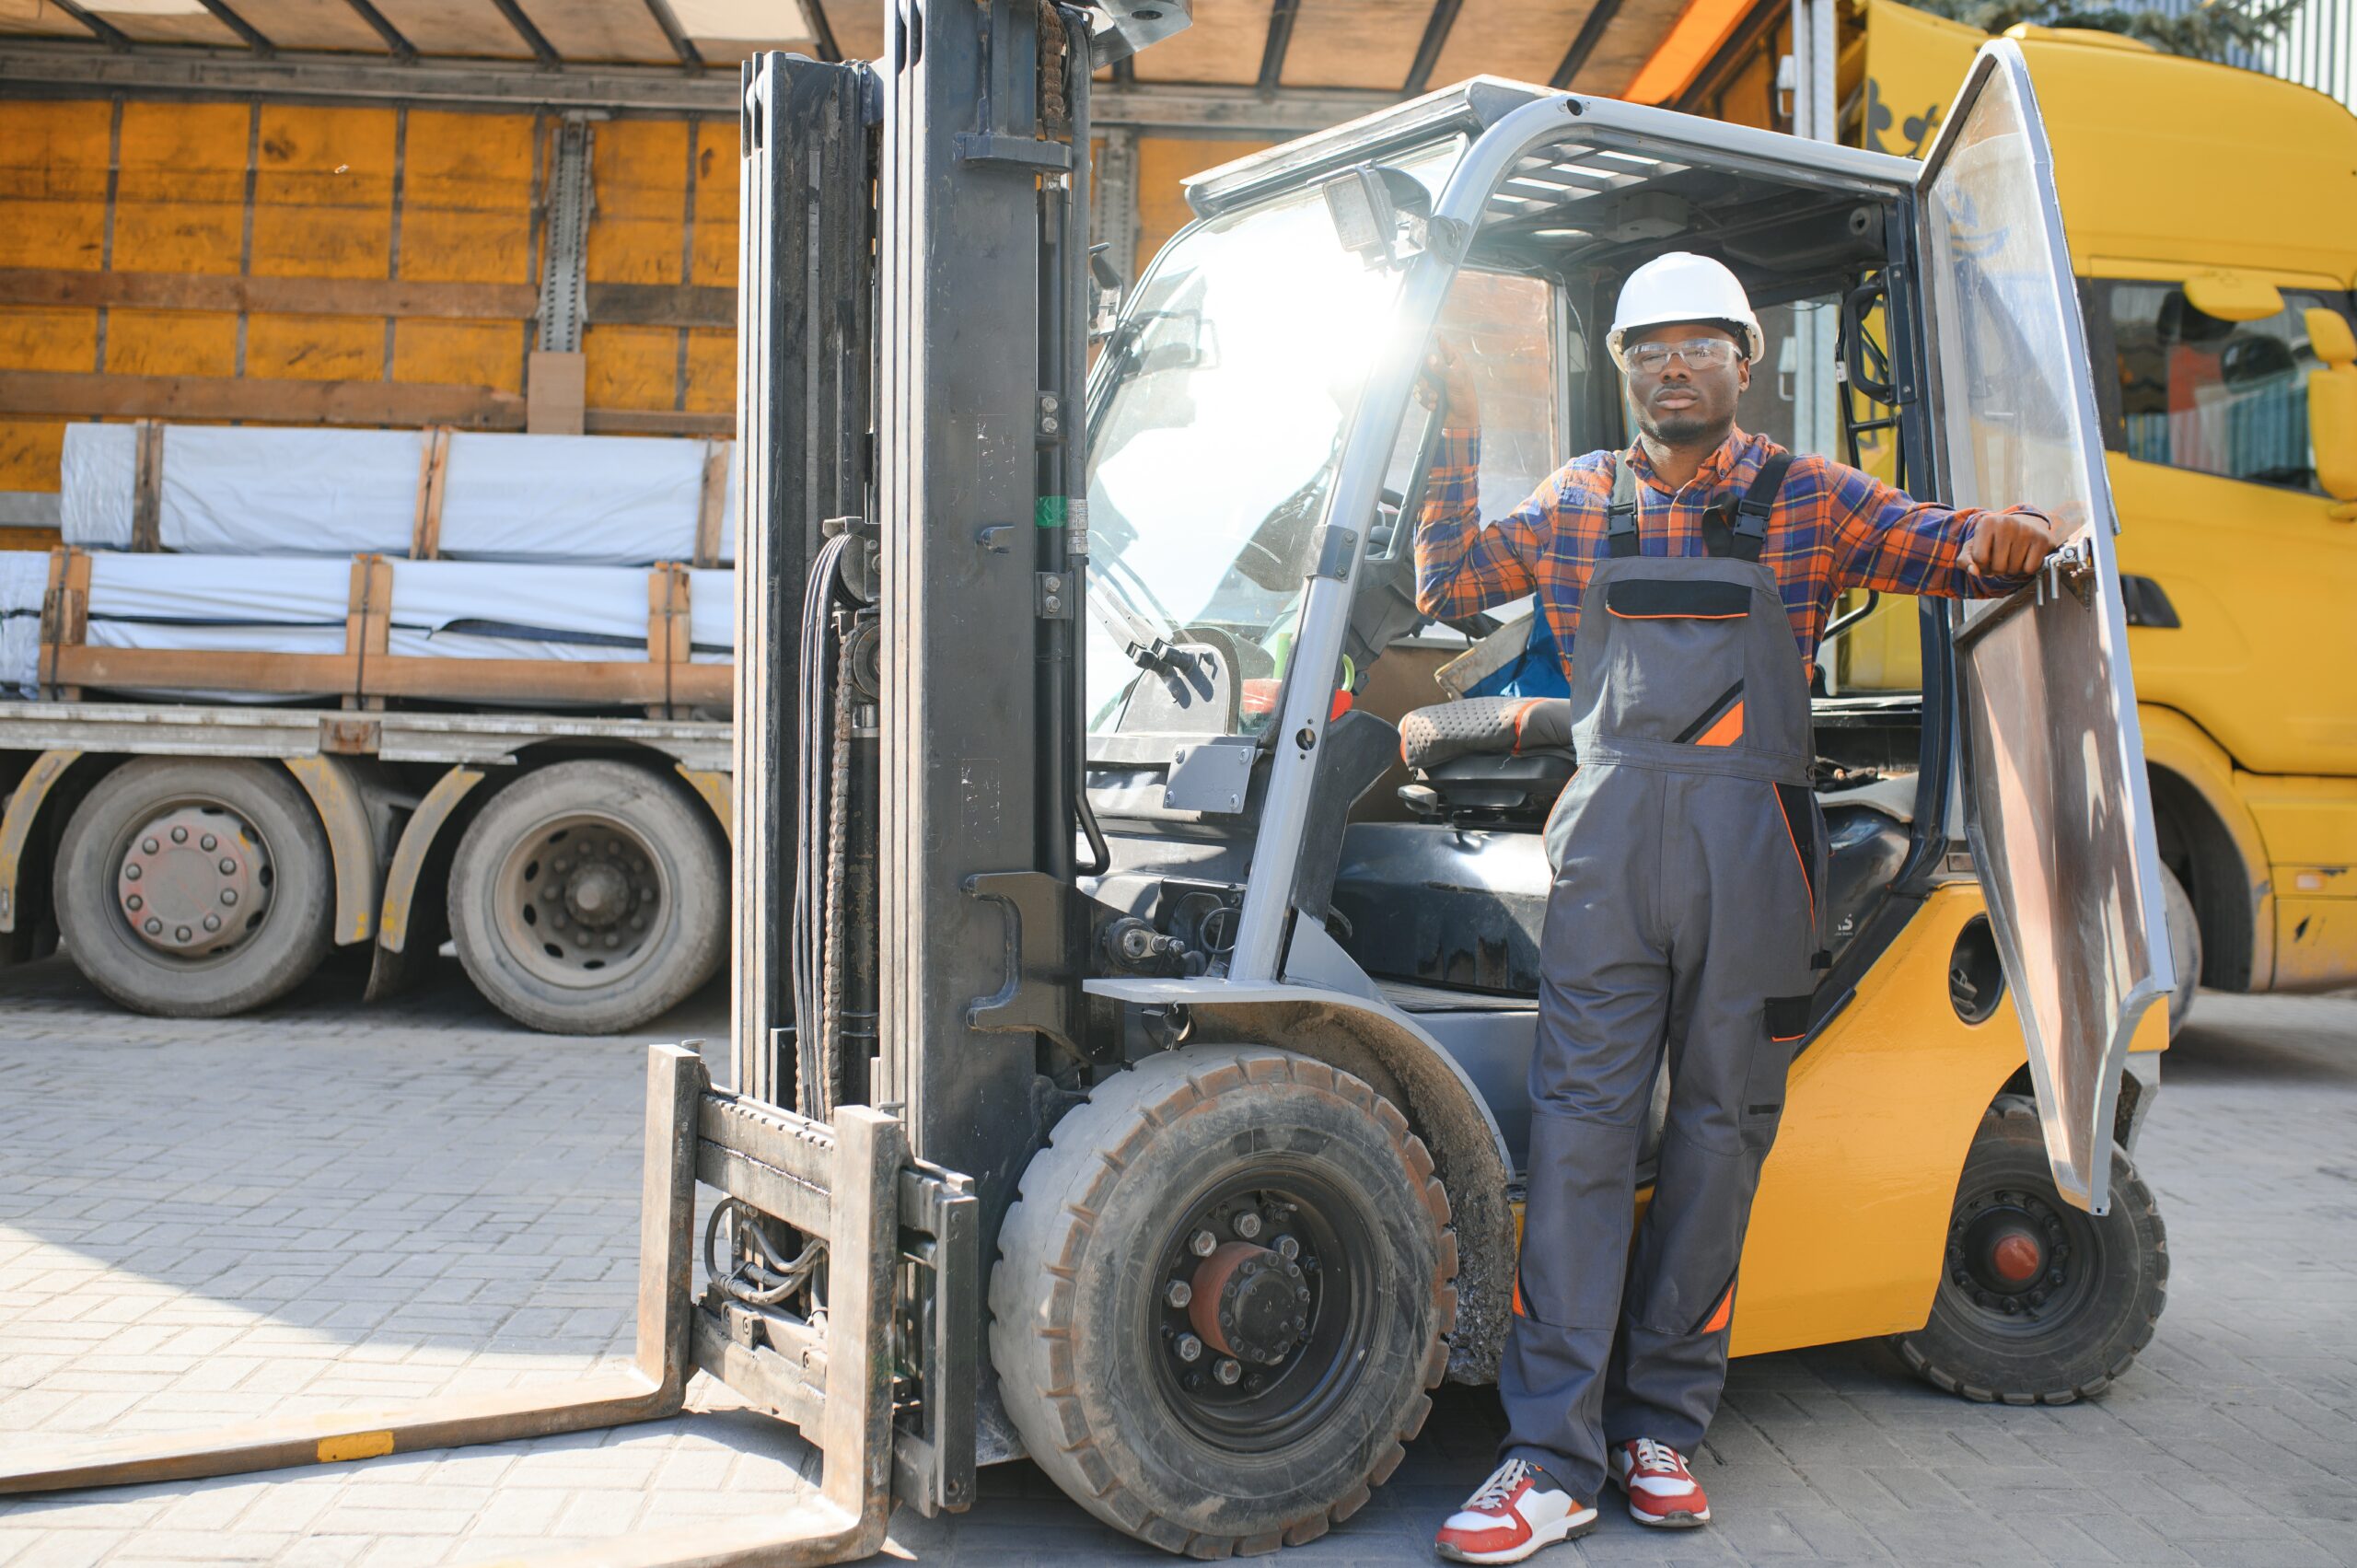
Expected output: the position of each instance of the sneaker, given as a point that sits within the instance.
(1662, 1491)
(1518, 1510)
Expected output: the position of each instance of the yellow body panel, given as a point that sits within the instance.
(1878, 1117)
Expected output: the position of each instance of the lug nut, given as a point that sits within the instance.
(150, 845)
(1287, 1247)
(229, 895)
(1228, 1372)
(180, 835)
(1248, 1225)
(229, 866)
(1202, 1244)
(208, 842)
(153, 926)
(1180, 1293)
(211, 922)
(182, 934)
(134, 904)
(1189, 1348)
(131, 873)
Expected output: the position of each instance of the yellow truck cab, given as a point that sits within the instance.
(2211, 214)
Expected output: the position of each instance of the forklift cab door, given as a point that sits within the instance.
(2056, 805)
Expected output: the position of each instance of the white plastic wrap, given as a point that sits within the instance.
(612, 500)
(24, 579)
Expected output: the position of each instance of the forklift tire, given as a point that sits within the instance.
(2185, 948)
(2039, 1303)
(190, 888)
(1225, 1286)
(589, 897)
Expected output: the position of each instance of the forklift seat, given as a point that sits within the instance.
(1507, 757)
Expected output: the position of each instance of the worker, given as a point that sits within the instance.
(1689, 857)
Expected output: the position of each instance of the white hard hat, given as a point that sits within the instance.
(1682, 286)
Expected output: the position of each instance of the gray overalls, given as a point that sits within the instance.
(1688, 853)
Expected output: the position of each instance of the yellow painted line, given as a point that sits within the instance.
(356, 1445)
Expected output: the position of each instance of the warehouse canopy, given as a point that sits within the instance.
(1266, 66)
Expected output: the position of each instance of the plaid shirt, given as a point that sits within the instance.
(1833, 528)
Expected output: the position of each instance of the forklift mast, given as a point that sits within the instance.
(916, 288)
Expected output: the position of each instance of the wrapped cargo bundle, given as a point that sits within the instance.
(305, 609)
(590, 500)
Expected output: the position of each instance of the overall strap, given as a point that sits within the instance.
(1620, 515)
(1750, 525)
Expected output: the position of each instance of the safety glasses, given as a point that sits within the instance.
(1699, 353)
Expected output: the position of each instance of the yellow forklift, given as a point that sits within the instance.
(1121, 1077)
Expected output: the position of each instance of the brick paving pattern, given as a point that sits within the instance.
(329, 1206)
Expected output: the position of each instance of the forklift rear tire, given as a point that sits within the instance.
(195, 889)
(2039, 1303)
(589, 897)
(1226, 1285)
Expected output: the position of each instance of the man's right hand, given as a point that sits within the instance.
(1447, 384)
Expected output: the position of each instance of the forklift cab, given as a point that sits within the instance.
(1256, 664)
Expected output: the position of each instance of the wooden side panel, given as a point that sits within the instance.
(53, 213)
(39, 18)
(638, 234)
(180, 207)
(1163, 162)
(1522, 39)
(457, 26)
(711, 381)
(858, 26)
(600, 29)
(192, 26)
(466, 216)
(310, 24)
(323, 207)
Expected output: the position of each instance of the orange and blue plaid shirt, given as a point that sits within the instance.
(1833, 528)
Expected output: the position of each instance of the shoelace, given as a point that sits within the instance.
(1501, 1485)
(1653, 1456)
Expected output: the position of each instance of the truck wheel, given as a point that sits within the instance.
(1222, 1293)
(2040, 1302)
(588, 897)
(2185, 948)
(195, 889)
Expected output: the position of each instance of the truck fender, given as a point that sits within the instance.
(17, 824)
(417, 839)
(713, 790)
(1374, 1041)
(341, 795)
(2177, 746)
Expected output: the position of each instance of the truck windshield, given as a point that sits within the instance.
(1227, 389)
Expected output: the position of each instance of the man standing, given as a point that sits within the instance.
(1689, 855)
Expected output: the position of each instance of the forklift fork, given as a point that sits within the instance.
(851, 1184)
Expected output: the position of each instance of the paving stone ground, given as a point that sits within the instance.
(328, 1205)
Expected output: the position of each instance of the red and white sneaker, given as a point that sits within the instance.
(1662, 1491)
(1517, 1511)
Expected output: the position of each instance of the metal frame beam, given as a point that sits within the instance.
(104, 31)
(404, 50)
(681, 45)
(56, 68)
(255, 39)
(542, 49)
(823, 30)
(1435, 39)
(1272, 54)
(1591, 33)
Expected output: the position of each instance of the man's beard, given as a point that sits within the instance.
(1683, 427)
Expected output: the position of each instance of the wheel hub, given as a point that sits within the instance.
(2009, 1253)
(580, 899)
(1251, 1302)
(194, 880)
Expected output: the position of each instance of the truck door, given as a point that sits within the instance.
(2055, 803)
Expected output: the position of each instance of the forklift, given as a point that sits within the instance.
(1121, 1077)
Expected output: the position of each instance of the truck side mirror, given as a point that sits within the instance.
(2230, 297)
(1375, 208)
(2333, 402)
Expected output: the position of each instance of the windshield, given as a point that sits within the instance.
(1227, 392)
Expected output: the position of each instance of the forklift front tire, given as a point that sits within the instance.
(2039, 1303)
(1220, 1297)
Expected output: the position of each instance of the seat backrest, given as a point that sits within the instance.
(1502, 727)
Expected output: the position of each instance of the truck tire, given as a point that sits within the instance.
(1220, 1299)
(589, 897)
(2185, 948)
(2039, 1303)
(195, 889)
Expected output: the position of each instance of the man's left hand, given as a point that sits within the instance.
(2009, 544)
